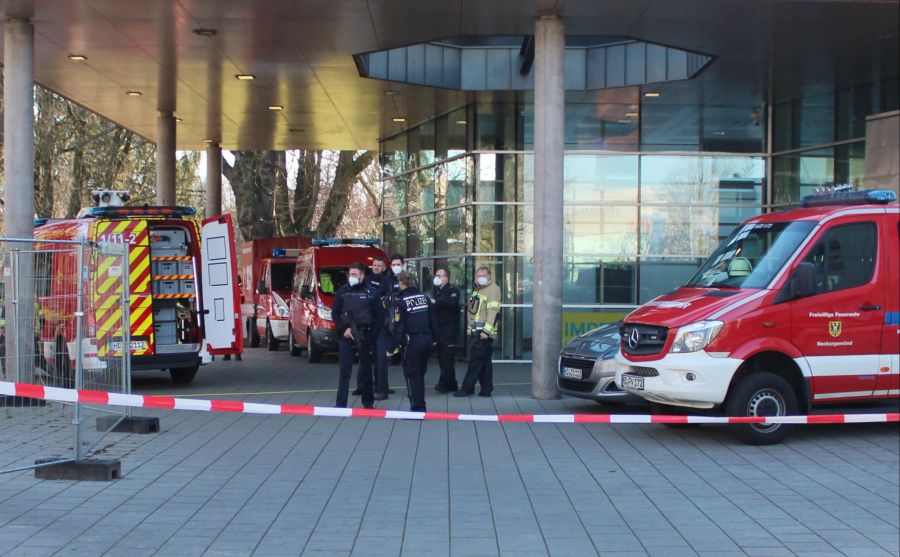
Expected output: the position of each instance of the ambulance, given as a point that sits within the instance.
(183, 299)
(794, 309)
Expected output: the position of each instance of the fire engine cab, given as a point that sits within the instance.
(183, 299)
(794, 309)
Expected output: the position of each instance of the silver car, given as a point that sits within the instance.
(587, 367)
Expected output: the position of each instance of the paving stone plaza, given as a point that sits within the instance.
(231, 484)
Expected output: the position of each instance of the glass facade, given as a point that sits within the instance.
(650, 189)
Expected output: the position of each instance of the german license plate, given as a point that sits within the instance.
(633, 382)
(134, 344)
(572, 372)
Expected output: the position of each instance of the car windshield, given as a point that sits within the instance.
(332, 278)
(752, 255)
(282, 276)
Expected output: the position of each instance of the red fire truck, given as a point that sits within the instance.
(794, 309)
(267, 272)
(321, 270)
(184, 299)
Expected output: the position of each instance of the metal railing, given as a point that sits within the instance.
(65, 323)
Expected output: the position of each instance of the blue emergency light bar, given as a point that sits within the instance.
(345, 241)
(862, 197)
(111, 212)
(285, 252)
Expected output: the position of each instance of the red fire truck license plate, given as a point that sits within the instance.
(633, 382)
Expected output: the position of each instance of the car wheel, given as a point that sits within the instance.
(271, 341)
(312, 351)
(183, 375)
(253, 333)
(762, 394)
(293, 347)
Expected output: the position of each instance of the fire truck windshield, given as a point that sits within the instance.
(752, 255)
(282, 276)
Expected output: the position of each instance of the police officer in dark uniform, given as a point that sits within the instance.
(378, 276)
(446, 309)
(413, 330)
(390, 290)
(354, 312)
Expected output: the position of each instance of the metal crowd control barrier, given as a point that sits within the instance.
(65, 323)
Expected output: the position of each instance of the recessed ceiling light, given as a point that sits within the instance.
(245, 77)
(179, 120)
(77, 57)
(205, 32)
(652, 94)
(631, 114)
(398, 119)
(461, 122)
(276, 107)
(624, 121)
(208, 141)
(390, 92)
(133, 93)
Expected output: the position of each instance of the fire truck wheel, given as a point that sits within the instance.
(666, 410)
(293, 347)
(183, 375)
(62, 366)
(312, 351)
(252, 333)
(762, 394)
(271, 341)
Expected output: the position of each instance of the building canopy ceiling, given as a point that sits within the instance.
(184, 56)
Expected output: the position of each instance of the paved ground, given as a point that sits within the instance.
(226, 484)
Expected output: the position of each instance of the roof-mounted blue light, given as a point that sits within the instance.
(346, 241)
(846, 197)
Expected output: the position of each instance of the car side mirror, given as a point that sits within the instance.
(305, 292)
(803, 281)
(261, 287)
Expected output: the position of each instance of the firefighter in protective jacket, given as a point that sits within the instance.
(482, 319)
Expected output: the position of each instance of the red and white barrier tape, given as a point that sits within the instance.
(152, 401)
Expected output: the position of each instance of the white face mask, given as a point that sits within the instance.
(482, 281)
(438, 281)
(353, 281)
(397, 269)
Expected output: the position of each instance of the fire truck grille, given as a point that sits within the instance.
(642, 340)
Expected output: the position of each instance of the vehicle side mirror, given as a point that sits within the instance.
(305, 292)
(261, 287)
(803, 281)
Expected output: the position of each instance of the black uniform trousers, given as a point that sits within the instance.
(346, 348)
(382, 360)
(376, 360)
(446, 349)
(480, 367)
(415, 362)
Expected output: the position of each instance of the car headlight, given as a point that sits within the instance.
(282, 311)
(696, 336)
(324, 311)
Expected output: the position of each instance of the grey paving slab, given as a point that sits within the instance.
(232, 484)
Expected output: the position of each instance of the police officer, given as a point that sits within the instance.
(413, 330)
(374, 281)
(446, 309)
(354, 312)
(390, 290)
(482, 317)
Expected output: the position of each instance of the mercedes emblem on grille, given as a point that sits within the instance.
(633, 339)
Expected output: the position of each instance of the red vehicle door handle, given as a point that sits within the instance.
(870, 308)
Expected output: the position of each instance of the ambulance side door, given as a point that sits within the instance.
(838, 328)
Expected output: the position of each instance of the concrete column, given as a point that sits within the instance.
(213, 180)
(18, 197)
(549, 113)
(165, 159)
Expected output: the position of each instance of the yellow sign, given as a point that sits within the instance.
(834, 328)
(576, 323)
